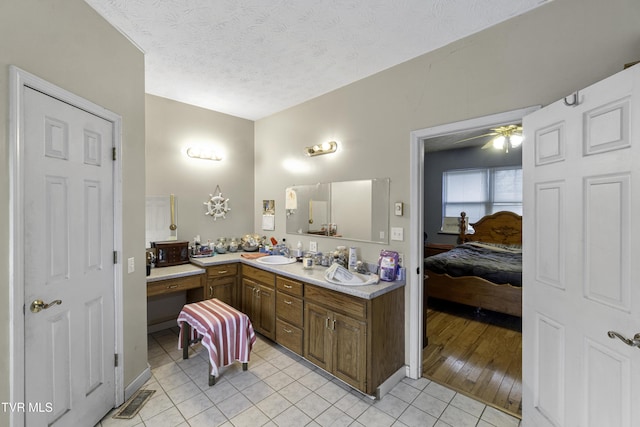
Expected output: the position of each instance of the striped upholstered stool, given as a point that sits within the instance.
(225, 332)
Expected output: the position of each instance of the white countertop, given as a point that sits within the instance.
(174, 271)
(314, 276)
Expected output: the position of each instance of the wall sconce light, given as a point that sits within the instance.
(200, 153)
(324, 148)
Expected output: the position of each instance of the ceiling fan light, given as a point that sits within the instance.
(498, 142)
(516, 140)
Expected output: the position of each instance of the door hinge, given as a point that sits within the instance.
(417, 270)
(115, 360)
(115, 257)
(114, 153)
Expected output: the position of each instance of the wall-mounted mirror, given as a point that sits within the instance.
(353, 210)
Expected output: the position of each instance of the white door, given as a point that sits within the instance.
(68, 241)
(581, 250)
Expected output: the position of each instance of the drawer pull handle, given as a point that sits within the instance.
(223, 271)
(287, 330)
(287, 302)
(172, 286)
(288, 286)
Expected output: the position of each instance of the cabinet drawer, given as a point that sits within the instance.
(222, 270)
(289, 286)
(259, 275)
(174, 285)
(289, 308)
(289, 336)
(337, 301)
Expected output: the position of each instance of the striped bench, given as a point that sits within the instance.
(225, 332)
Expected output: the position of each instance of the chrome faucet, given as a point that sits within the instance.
(285, 251)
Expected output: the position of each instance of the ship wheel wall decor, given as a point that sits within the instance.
(217, 206)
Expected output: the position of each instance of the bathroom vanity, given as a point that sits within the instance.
(356, 333)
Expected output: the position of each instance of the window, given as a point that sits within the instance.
(480, 192)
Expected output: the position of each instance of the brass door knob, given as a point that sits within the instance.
(39, 305)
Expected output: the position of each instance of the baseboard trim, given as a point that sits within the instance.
(161, 326)
(136, 384)
(391, 382)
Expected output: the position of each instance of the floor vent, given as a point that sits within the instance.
(135, 403)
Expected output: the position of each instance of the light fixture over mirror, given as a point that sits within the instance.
(202, 153)
(324, 148)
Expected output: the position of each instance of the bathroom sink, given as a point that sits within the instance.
(341, 276)
(275, 260)
(357, 280)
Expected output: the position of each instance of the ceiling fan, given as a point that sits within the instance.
(505, 137)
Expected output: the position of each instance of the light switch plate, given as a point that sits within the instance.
(131, 265)
(399, 208)
(397, 233)
(313, 247)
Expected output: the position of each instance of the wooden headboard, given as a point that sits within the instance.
(501, 227)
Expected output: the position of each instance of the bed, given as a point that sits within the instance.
(485, 269)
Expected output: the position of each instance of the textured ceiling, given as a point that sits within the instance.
(253, 58)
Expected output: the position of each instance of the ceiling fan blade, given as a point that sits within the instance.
(475, 137)
(488, 145)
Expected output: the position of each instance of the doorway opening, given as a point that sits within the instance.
(459, 340)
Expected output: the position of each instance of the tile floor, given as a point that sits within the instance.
(282, 389)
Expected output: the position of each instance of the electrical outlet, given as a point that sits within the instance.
(397, 233)
(401, 259)
(313, 247)
(131, 265)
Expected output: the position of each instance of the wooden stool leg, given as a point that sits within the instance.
(245, 366)
(186, 332)
(212, 378)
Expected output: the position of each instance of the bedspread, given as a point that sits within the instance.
(496, 263)
(226, 333)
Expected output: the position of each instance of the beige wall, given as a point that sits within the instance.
(533, 59)
(173, 126)
(66, 43)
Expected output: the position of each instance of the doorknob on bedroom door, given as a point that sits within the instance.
(39, 305)
(635, 342)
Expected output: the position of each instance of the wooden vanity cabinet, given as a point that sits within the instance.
(222, 283)
(259, 299)
(357, 340)
(289, 314)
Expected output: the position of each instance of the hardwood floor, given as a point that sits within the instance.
(475, 354)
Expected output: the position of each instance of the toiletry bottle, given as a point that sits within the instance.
(353, 258)
(299, 250)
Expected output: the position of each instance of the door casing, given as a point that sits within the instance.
(415, 274)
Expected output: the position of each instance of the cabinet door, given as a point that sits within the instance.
(265, 310)
(349, 339)
(224, 289)
(248, 294)
(317, 348)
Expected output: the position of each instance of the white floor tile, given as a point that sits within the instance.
(281, 389)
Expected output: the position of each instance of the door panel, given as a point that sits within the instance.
(316, 338)
(581, 172)
(68, 241)
(349, 341)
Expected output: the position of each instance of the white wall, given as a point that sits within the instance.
(532, 59)
(66, 43)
